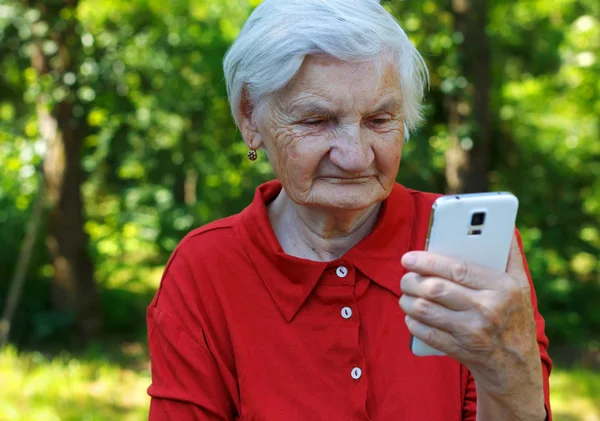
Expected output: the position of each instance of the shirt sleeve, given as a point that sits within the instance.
(187, 383)
(470, 395)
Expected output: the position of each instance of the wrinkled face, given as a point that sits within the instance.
(335, 135)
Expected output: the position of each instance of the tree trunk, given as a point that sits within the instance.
(73, 287)
(468, 158)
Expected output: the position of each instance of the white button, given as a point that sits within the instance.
(356, 373)
(342, 271)
(346, 312)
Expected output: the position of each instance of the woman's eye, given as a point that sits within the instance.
(314, 122)
(380, 121)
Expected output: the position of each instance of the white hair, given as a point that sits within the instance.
(279, 34)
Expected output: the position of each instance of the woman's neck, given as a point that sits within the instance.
(319, 234)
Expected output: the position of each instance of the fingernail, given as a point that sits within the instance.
(409, 259)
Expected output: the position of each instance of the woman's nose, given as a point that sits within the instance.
(351, 149)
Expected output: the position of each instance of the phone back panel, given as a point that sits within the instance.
(450, 228)
(452, 234)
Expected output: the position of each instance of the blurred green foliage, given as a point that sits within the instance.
(163, 156)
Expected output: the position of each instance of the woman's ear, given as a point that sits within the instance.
(247, 122)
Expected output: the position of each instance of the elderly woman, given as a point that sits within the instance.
(301, 307)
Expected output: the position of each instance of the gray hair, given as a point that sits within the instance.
(279, 34)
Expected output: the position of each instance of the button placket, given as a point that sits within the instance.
(348, 313)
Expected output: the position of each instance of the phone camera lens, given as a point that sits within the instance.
(477, 219)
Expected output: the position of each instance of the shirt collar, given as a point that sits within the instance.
(290, 280)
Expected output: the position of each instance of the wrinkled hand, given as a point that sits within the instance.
(481, 317)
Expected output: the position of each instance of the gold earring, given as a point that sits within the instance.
(252, 155)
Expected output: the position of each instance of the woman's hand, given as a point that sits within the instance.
(484, 319)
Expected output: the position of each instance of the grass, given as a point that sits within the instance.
(575, 395)
(106, 386)
(35, 388)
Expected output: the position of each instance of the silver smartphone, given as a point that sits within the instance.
(475, 228)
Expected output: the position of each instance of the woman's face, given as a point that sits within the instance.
(335, 135)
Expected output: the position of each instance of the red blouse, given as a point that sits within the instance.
(239, 330)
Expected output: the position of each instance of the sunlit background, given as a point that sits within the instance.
(116, 140)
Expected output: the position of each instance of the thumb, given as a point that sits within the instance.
(515, 266)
